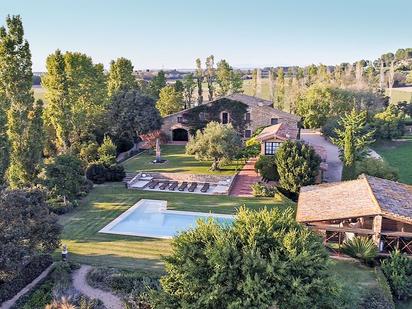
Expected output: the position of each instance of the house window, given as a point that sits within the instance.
(202, 116)
(247, 116)
(225, 118)
(179, 119)
(248, 133)
(271, 147)
(274, 121)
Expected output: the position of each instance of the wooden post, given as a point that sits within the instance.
(377, 228)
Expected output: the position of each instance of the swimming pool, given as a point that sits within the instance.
(150, 218)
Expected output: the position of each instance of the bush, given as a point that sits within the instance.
(377, 168)
(361, 248)
(266, 167)
(375, 299)
(96, 172)
(58, 206)
(389, 123)
(398, 271)
(26, 275)
(260, 189)
(329, 128)
(115, 172)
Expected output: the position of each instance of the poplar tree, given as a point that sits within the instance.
(199, 80)
(227, 79)
(189, 86)
(120, 76)
(254, 82)
(57, 94)
(210, 76)
(15, 88)
(77, 90)
(280, 89)
(352, 140)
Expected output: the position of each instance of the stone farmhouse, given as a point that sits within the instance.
(371, 207)
(246, 113)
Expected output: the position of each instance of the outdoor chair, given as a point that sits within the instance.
(153, 184)
(164, 185)
(192, 187)
(173, 185)
(205, 187)
(183, 186)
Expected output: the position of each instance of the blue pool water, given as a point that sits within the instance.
(150, 218)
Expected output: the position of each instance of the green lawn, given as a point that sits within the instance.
(108, 201)
(177, 162)
(398, 155)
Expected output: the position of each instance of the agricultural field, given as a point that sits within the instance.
(400, 94)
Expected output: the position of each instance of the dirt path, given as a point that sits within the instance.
(80, 283)
(8, 304)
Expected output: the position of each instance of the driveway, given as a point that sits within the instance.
(334, 172)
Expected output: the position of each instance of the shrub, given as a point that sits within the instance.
(389, 123)
(107, 152)
(26, 275)
(329, 128)
(377, 168)
(398, 271)
(264, 258)
(297, 164)
(361, 248)
(88, 152)
(96, 172)
(115, 172)
(260, 189)
(58, 206)
(266, 167)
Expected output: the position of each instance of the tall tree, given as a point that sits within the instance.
(189, 86)
(120, 76)
(272, 78)
(199, 81)
(132, 114)
(254, 82)
(15, 89)
(58, 109)
(227, 79)
(352, 141)
(170, 101)
(280, 89)
(77, 90)
(210, 76)
(156, 84)
(4, 141)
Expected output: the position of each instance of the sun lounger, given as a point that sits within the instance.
(183, 186)
(153, 184)
(164, 185)
(192, 187)
(173, 185)
(205, 187)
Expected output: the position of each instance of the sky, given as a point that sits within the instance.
(171, 34)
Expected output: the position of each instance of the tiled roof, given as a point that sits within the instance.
(366, 196)
(265, 105)
(280, 131)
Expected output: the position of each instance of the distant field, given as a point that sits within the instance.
(39, 93)
(400, 94)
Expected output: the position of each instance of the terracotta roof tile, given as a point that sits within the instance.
(365, 196)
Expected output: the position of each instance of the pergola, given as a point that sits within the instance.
(369, 207)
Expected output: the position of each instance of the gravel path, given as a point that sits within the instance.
(109, 300)
(334, 171)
